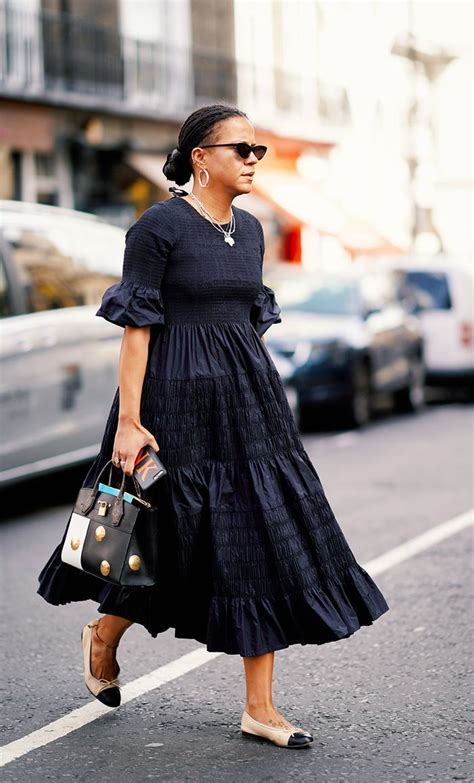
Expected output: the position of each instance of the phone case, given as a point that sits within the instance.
(148, 467)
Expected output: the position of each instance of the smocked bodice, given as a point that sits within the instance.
(178, 269)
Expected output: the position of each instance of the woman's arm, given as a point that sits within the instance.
(136, 304)
(131, 436)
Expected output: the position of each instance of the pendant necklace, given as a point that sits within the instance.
(227, 234)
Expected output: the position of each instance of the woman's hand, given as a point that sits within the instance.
(130, 438)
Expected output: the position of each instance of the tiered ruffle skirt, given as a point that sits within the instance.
(252, 556)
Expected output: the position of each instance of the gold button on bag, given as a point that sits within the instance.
(105, 568)
(134, 562)
(112, 532)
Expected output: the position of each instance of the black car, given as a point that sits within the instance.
(348, 341)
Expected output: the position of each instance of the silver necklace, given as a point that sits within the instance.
(227, 234)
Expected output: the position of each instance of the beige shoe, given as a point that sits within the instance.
(107, 691)
(284, 738)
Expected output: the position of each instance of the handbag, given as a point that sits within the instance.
(112, 534)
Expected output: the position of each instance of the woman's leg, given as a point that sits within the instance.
(103, 658)
(259, 698)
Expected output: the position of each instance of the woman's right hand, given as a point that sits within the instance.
(130, 438)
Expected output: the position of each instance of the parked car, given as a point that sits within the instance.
(349, 341)
(58, 363)
(440, 291)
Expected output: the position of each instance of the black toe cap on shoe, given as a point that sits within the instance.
(299, 740)
(110, 697)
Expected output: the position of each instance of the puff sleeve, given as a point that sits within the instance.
(265, 310)
(137, 299)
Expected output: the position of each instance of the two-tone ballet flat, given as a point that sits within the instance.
(106, 691)
(284, 738)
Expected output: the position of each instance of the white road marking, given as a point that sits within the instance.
(193, 660)
(414, 545)
(90, 712)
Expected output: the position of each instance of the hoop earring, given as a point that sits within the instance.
(199, 177)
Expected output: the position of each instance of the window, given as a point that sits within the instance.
(431, 290)
(62, 263)
(46, 178)
(332, 297)
(5, 304)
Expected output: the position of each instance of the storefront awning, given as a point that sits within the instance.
(151, 167)
(297, 200)
(304, 203)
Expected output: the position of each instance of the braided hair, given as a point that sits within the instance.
(197, 129)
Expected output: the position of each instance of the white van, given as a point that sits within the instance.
(440, 291)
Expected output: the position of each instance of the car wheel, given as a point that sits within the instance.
(411, 398)
(358, 412)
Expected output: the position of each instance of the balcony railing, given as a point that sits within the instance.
(60, 59)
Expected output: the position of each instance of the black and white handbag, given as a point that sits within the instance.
(112, 534)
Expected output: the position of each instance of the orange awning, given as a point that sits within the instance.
(304, 203)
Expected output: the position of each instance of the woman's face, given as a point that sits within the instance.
(227, 170)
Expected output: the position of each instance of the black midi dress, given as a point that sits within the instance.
(252, 557)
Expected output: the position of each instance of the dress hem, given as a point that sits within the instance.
(304, 616)
(215, 648)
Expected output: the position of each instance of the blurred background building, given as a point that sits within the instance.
(364, 107)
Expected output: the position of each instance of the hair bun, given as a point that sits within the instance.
(173, 155)
(176, 167)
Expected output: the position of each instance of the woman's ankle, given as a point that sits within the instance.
(111, 629)
(258, 705)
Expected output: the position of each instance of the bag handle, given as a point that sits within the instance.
(117, 511)
(124, 478)
(119, 507)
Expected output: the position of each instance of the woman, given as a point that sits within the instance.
(253, 559)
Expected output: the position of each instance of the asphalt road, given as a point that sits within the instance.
(389, 704)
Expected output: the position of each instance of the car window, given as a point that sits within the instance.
(431, 289)
(332, 298)
(47, 275)
(53, 265)
(5, 302)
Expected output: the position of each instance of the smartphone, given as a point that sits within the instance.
(148, 467)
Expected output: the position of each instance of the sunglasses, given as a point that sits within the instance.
(243, 149)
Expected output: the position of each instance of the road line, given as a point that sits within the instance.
(90, 712)
(414, 545)
(193, 660)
